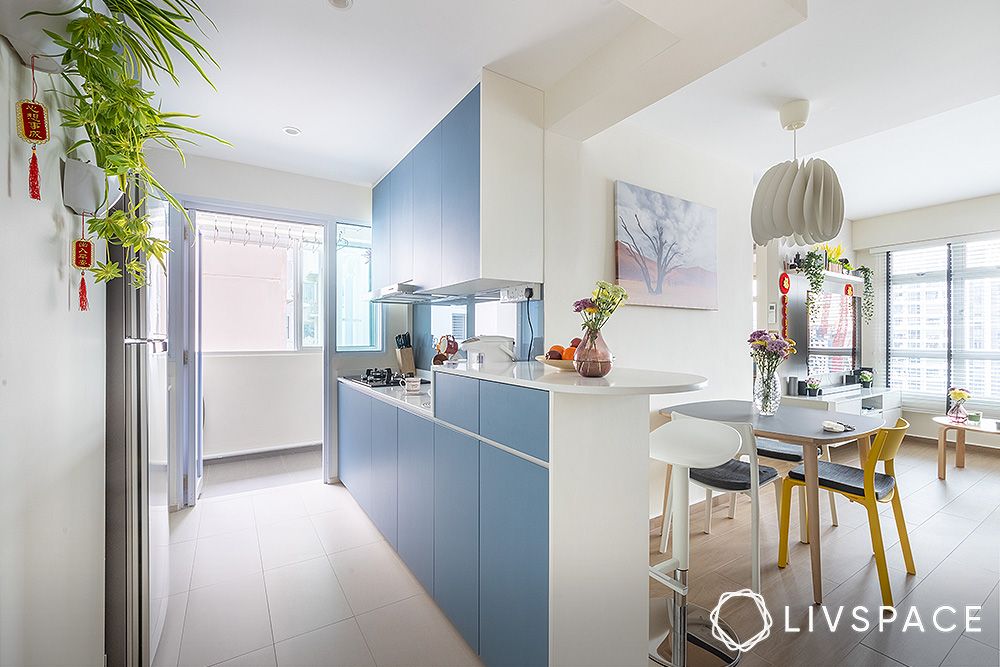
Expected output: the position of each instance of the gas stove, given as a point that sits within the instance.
(380, 377)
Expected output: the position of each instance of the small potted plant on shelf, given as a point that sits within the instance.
(812, 386)
(866, 377)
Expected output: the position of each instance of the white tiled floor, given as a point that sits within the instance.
(295, 575)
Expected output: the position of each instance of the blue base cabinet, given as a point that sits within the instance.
(513, 560)
(456, 530)
(384, 469)
(354, 443)
(415, 531)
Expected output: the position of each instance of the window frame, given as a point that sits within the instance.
(377, 310)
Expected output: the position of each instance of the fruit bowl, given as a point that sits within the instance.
(558, 364)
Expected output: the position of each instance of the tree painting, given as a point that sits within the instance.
(665, 249)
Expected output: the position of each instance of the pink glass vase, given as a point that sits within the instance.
(957, 413)
(593, 358)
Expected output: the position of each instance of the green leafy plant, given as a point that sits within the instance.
(813, 266)
(105, 56)
(868, 294)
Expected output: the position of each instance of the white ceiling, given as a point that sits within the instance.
(893, 86)
(365, 85)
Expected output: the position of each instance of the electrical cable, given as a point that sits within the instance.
(531, 329)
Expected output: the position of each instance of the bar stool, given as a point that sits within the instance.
(673, 626)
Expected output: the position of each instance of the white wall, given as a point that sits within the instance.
(51, 410)
(579, 249)
(262, 401)
(965, 218)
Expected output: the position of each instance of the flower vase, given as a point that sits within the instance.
(766, 393)
(957, 413)
(593, 358)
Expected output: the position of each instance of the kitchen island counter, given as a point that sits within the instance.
(619, 382)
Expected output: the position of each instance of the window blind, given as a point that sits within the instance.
(943, 324)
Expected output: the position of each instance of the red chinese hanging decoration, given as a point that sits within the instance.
(849, 289)
(83, 259)
(33, 127)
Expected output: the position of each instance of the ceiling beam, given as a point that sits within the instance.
(671, 44)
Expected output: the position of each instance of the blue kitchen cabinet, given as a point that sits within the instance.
(460, 196)
(456, 400)
(384, 470)
(401, 222)
(513, 560)
(515, 416)
(415, 518)
(456, 530)
(354, 443)
(427, 211)
(381, 219)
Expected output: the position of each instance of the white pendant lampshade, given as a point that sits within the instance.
(797, 200)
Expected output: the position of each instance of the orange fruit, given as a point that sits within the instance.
(557, 348)
(569, 353)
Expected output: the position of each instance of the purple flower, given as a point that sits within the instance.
(757, 335)
(583, 304)
(777, 346)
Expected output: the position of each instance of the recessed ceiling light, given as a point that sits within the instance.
(291, 131)
(342, 4)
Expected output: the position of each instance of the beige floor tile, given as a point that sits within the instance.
(414, 633)
(224, 621)
(373, 576)
(990, 615)
(260, 658)
(968, 652)
(288, 542)
(320, 497)
(227, 515)
(345, 529)
(184, 524)
(223, 557)
(862, 656)
(279, 504)
(304, 597)
(337, 645)
(181, 565)
(169, 648)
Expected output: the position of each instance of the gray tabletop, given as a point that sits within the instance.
(791, 423)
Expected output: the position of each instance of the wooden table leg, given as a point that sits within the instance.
(812, 504)
(864, 447)
(959, 447)
(942, 451)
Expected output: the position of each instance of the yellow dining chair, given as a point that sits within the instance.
(863, 486)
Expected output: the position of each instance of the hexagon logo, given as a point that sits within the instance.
(732, 644)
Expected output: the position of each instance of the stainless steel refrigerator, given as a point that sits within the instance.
(137, 528)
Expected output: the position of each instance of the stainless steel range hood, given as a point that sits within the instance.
(407, 294)
(400, 293)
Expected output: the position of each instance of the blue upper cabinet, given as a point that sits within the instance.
(384, 475)
(354, 443)
(381, 211)
(456, 530)
(401, 222)
(460, 190)
(415, 519)
(513, 560)
(427, 211)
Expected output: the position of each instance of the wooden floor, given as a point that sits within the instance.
(954, 529)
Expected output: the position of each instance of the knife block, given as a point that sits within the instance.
(404, 357)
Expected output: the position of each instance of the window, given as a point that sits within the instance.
(261, 284)
(359, 321)
(944, 323)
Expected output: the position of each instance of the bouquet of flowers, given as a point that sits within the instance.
(768, 350)
(958, 398)
(600, 305)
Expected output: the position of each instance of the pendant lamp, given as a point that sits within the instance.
(799, 201)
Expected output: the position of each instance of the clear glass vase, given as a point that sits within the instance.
(593, 358)
(766, 393)
(957, 413)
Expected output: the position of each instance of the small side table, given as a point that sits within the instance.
(944, 425)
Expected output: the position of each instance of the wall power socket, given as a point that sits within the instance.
(518, 294)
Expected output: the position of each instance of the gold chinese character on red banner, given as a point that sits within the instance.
(32, 122)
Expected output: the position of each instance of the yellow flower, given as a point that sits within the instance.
(590, 310)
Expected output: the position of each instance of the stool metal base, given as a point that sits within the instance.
(703, 648)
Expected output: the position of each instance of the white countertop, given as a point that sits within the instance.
(620, 381)
(418, 403)
(846, 395)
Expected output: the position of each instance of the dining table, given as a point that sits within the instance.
(797, 425)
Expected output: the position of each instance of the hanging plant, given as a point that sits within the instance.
(813, 265)
(868, 294)
(105, 55)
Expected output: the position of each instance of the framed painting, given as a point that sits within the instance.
(665, 249)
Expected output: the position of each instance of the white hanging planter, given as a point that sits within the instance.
(85, 186)
(28, 36)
